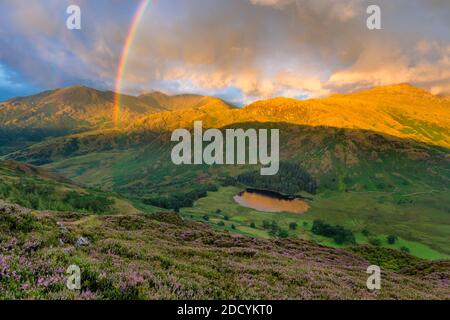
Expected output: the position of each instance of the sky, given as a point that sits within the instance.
(239, 50)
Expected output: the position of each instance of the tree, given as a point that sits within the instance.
(252, 225)
(405, 249)
(340, 234)
(293, 226)
(283, 233)
(375, 242)
(392, 239)
(266, 224)
(291, 179)
(274, 225)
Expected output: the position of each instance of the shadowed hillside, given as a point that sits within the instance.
(37, 188)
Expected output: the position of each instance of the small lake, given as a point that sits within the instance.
(268, 201)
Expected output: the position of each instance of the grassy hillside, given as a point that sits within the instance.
(400, 110)
(74, 108)
(177, 102)
(28, 120)
(380, 159)
(81, 108)
(37, 188)
(161, 256)
(424, 236)
(364, 180)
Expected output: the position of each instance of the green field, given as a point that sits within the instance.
(220, 205)
(365, 182)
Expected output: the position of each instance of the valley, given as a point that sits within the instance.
(214, 157)
(380, 176)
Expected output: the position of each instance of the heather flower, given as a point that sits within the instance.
(4, 266)
(87, 295)
(25, 286)
(11, 243)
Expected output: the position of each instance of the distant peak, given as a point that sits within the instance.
(76, 89)
(153, 94)
(397, 89)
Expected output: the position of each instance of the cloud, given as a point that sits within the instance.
(249, 48)
(428, 66)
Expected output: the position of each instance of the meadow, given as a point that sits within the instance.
(223, 213)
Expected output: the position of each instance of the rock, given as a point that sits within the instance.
(82, 241)
(62, 227)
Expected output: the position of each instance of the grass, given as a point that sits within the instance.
(338, 213)
(381, 215)
(36, 188)
(366, 180)
(161, 256)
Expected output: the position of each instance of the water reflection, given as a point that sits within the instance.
(267, 201)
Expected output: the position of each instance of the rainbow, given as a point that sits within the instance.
(124, 57)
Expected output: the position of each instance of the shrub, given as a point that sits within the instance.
(266, 224)
(283, 233)
(183, 200)
(405, 249)
(88, 202)
(392, 239)
(375, 242)
(340, 234)
(22, 223)
(293, 226)
(252, 225)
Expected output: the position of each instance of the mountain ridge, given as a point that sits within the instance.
(378, 180)
(400, 110)
(85, 108)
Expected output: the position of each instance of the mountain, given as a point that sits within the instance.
(75, 108)
(380, 158)
(161, 256)
(81, 108)
(28, 120)
(399, 110)
(166, 102)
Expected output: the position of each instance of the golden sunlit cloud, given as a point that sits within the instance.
(242, 50)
